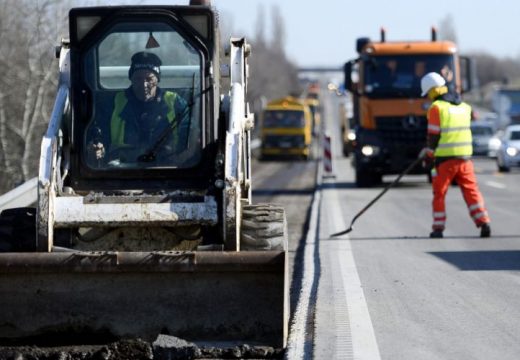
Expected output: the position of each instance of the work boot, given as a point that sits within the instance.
(436, 234)
(485, 230)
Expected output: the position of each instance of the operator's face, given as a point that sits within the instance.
(144, 84)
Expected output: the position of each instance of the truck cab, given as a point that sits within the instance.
(389, 113)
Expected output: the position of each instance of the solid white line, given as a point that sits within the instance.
(296, 343)
(364, 342)
(495, 184)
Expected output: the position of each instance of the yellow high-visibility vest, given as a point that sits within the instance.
(117, 125)
(455, 137)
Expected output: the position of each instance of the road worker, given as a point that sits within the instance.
(449, 149)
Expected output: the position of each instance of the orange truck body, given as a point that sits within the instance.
(389, 113)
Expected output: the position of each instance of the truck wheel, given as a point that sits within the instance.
(366, 179)
(501, 167)
(264, 227)
(362, 179)
(18, 230)
(346, 153)
(377, 178)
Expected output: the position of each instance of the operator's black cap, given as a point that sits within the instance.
(145, 60)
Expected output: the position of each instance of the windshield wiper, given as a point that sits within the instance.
(151, 154)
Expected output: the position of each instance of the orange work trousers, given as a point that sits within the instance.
(463, 173)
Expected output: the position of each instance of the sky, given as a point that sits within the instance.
(323, 33)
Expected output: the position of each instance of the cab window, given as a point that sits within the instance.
(158, 129)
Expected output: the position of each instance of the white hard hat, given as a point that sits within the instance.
(430, 81)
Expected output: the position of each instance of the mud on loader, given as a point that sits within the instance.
(147, 240)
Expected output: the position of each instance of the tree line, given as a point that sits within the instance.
(30, 30)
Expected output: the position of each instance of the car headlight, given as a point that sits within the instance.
(511, 151)
(351, 136)
(369, 150)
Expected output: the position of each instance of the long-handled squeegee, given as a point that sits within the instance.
(406, 171)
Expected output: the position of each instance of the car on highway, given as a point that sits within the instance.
(508, 155)
(482, 133)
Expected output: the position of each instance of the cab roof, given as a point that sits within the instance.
(410, 47)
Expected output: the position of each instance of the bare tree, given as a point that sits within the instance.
(272, 75)
(278, 35)
(447, 29)
(260, 26)
(29, 31)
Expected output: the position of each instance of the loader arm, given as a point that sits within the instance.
(49, 166)
(238, 149)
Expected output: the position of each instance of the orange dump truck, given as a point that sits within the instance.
(389, 114)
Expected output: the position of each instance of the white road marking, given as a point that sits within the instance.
(495, 184)
(364, 342)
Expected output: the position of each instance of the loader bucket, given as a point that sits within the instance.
(198, 296)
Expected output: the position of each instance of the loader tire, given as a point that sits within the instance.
(264, 227)
(18, 230)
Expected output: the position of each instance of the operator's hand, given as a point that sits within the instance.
(98, 150)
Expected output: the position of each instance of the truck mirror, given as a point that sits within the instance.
(347, 70)
(351, 76)
(468, 73)
(360, 43)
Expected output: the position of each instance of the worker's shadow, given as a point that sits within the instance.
(481, 260)
(338, 185)
(282, 192)
(454, 237)
(352, 185)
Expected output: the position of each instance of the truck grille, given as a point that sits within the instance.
(284, 141)
(406, 130)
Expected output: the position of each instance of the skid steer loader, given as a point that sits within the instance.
(147, 239)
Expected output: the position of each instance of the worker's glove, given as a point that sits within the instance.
(426, 153)
(427, 157)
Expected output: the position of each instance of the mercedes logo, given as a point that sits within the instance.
(410, 122)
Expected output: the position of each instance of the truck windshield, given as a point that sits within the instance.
(146, 85)
(284, 119)
(400, 75)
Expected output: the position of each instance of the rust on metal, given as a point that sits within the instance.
(157, 261)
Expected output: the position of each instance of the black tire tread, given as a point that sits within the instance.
(264, 227)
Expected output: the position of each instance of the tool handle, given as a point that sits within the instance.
(397, 179)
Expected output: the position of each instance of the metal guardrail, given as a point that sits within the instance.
(21, 196)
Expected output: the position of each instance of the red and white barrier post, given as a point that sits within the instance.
(327, 157)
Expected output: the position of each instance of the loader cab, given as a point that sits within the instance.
(140, 144)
